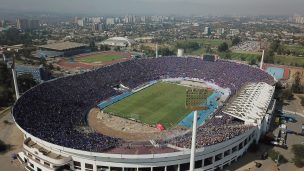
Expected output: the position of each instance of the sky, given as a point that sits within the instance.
(160, 7)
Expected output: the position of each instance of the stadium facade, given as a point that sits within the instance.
(51, 142)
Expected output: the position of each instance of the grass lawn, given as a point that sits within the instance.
(198, 52)
(100, 58)
(295, 48)
(160, 103)
(246, 56)
(289, 60)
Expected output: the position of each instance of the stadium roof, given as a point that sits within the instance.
(63, 46)
(118, 41)
(252, 102)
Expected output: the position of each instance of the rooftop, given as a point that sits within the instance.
(252, 102)
(63, 46)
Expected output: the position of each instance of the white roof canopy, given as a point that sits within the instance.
(252, 102)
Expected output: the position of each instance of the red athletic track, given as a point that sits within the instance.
(286, 74)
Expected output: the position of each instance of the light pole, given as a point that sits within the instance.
(262, 60)
(156, 50)
(193, 141)
(12, 66)
(195, 100)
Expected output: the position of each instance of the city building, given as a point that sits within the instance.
(220, 31)
(81, 22)
(234, 32)
(96, 19)
(299, 19)
(25, 24)
(97, 27)
(207, 31)
(22, 24)
(110, 21)
(34, 24)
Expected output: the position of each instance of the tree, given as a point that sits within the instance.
(104, 48)
(298, 151)
(296, 86)
(92, 46)
(166, 51)
(287, 94)
(252, 61)
(25, 82)
(208, 49)
(223, 47)
(275, 45)
(228, 56)
(269, 56)
(188, 46)
(5, 75)
(3, 146)
(6, 93)
(117, 49)
(13, 36)
(51, 66)
(236, 41)
(6, 96)
(26, 52)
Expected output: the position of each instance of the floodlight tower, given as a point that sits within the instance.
(12, 66)
(193, 141)
(262, 60)
(4, 57)
(195, 100)
(156, 50)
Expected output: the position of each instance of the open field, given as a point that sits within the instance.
(297, 50)
(100, 58)
(161, 103)
(289, 60)
(244, 56)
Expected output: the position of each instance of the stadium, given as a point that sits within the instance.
(131, 116)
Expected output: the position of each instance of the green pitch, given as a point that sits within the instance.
(100, 58)
(160, 103)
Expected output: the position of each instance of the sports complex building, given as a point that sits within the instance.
(86, 122)
(62, 49)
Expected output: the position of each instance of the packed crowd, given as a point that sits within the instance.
(220, 128)
(52, 111)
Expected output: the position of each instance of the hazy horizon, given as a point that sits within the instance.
(159, 7)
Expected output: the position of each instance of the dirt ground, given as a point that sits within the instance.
(11, 135)
(124, 128)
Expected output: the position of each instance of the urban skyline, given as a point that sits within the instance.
(166, 7)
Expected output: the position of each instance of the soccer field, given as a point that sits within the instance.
(160, 103)
(100, 58)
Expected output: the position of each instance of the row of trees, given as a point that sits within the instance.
(13, 36)
(6, 88)
(188, 46)
(224, 47)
